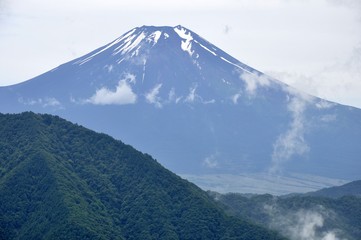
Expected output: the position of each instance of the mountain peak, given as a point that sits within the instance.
(139, 53)
(161, 28)
(167, 86)
(140, 41)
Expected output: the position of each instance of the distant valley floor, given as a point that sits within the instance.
(260, 183)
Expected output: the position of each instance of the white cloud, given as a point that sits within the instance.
(123, 94)
(292, 142)
(209, 101)
(109, 68)
(194, 97)
(338, 82)
(301, 224)
(211, 161)
(253, 81)
(44, 102)
(152, 96)
(177, 100)
(235, 97)
(171, 95)
(130, 78)
(192, 94)
(305, 227)
(29, 102)
(328, 118)
(51, 102)
(323, 104)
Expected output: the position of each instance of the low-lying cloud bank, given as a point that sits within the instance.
(302, 224)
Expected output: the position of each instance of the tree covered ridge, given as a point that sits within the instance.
(63, 181)
(349, 189)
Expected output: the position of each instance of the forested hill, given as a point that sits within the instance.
(62, 181)
(349, 189)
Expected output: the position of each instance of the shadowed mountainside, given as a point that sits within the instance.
(62, 181)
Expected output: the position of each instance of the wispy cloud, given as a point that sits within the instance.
(51, 102)
(301, 224)
(109, 68)
(123, 94)
(152, 96)
(194, 97)
(292, 142)
(235, 97)
(328, 118)
(253, 81)
(211, 161)
(192, 94)
(44, 102)
(323, 104)
(172, 96)
(339, 82)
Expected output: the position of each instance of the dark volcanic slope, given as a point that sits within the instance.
(62, 181)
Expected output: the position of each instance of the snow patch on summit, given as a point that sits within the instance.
(116, 41)
(129, 44)
(154, 37)
(205, 48)
(236, 65)
(186, 45)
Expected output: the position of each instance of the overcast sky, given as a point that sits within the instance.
(314, 45)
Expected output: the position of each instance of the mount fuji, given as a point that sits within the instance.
(201, 113)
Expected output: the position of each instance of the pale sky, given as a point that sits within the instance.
(313, 45)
